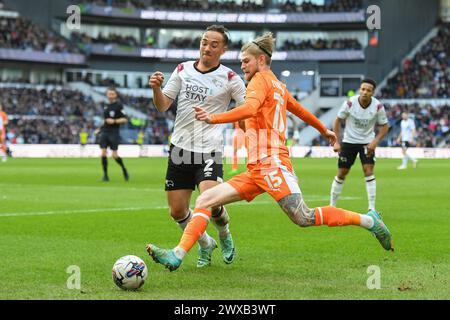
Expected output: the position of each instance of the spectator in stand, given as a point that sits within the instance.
(329, 6)
(322, 44)
(20, 33)
(426, 74)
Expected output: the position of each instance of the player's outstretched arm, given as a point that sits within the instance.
(160, 100)
(245, 111)
(298, 110)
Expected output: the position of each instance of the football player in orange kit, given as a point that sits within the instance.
(269, 168)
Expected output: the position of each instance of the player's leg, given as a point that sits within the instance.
(404, 164)
(180, 183)
(288, 195)
(104, 153)
(3, 147)
(238, 188)
(221, 221)
(115, 155)
(297, 210)
(368, 165)
(219, 195)
(408, 156)
(208, 174)
(178, 201)
(282, 184)
(347, 157)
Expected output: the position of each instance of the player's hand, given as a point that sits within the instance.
(156, 80)
(337, 147)
(371, 148)
(331, 137)
(109, 121)
(202, 115)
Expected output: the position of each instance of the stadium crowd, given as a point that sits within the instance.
(322, 44)
(85, 39)
(331, 6)
(427, 74)
(59, 115)
(20, 33)
(33, 102)
(233, 6)
(194, 43)
(432, 125)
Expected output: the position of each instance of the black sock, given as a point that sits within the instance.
(105, 165)
(120, 162)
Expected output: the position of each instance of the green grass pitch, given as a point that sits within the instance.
(55, 213)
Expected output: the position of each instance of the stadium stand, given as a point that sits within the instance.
(331, 6)
(432, 125)
(427, 74)
(21, 33)
(322, 44)
(424, 76)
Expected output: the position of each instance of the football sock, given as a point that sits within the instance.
(336, 190)
(184, 222)
(179, 252)
(335, 217)
(105, 165)
(195, 228)
(204, 240)
(410, 158)
(221, 219)
(366, 221)
(405, 161)
(371, 187)
(120, 162)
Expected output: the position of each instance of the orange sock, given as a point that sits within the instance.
(336, 217)
(195, 228)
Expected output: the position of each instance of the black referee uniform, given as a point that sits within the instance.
(110, 136)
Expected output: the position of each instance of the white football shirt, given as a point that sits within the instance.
(360, 122)
(213, 91)
(407, 127)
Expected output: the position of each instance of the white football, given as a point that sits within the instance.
(129, 272)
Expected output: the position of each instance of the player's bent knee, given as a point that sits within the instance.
(306, 217)
(204, 200)
(178, 213)
(297, 210)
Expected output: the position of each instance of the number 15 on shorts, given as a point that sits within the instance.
(273, 181)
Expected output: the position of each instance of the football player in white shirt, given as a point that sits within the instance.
(195, 156)
(361, 113)
(406, 139)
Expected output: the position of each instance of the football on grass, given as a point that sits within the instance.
(129, 272)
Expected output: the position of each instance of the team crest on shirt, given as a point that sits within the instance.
(217, 83)
(112, 113)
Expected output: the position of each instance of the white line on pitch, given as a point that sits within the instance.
(56, 212)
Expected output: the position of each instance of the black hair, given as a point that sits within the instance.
(369, 81)
(220, 29)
